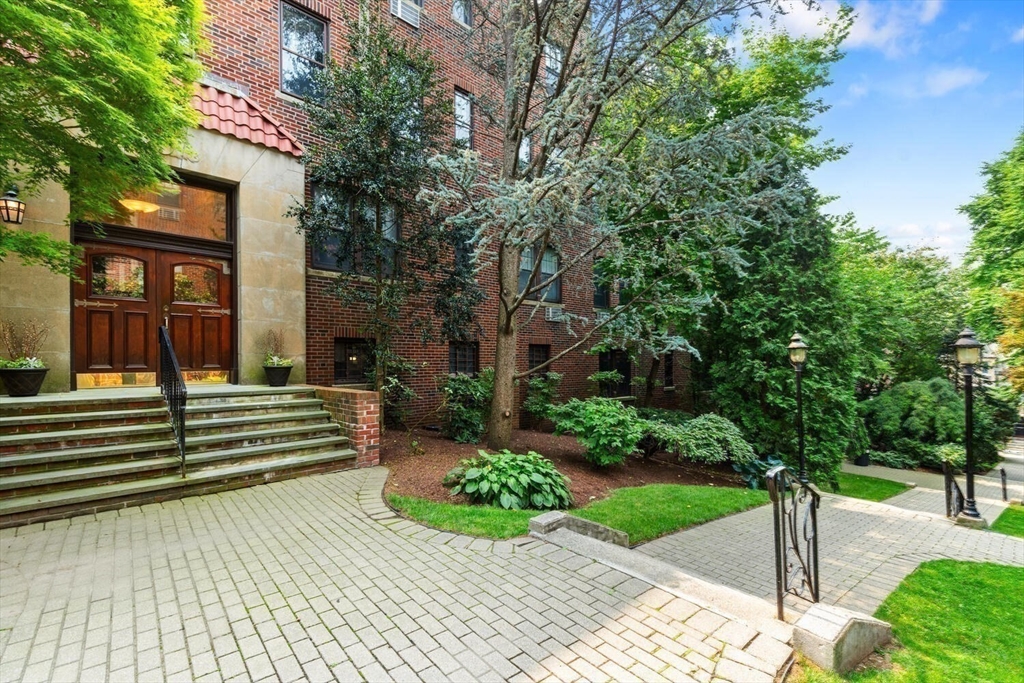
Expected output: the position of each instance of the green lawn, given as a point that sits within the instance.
(1011, 522)
(956, 621)
(868, 488)
(644, 512)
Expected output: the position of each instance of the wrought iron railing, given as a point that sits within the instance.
(795, 507)
(172, 386)
(1002, 482)
(954, 496)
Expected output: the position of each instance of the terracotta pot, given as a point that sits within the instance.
(277, 375)
(23, 381)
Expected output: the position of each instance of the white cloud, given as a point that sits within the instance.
(893, 28)
(857, 90)
(1018, 37)
(943, 81)
(947, 238)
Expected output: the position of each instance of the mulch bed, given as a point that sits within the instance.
(420, 475)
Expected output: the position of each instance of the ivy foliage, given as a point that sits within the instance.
(466, 400)
(95, 94)
(511, 481)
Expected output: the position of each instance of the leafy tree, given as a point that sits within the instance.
(95, 93)
(560, 69)
(996, 255)
(376, 119)
(904, 308)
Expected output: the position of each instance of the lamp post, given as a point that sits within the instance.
(798, 356)
(968, 354)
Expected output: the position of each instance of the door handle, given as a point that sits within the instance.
(166, 309)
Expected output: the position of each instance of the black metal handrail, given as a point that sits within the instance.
(1002, 483)
(795, 506)
(954, 495)
(172, 386)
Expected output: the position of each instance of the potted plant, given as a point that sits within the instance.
(275, 364)
(23, 373)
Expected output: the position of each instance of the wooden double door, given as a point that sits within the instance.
(125, 293)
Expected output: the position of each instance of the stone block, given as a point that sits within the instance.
(837, 639)
(541, 525)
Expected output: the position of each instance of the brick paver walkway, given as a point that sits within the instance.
(865, 549)
(315, 579)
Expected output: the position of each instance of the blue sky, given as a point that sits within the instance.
(928, 91)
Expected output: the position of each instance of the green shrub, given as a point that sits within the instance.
(709, 439)
(753, 471)
(913, 419)
(892, 459)
(609, 430)
(672, 417)
(660, 430)
(541, 392)
(511, 481)
(466, 401)
(953, 454)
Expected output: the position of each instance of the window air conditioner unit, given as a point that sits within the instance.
(553, 314)
(407, 10)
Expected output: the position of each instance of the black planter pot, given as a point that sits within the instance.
(23, 381)
(277, 375)
(863, 460)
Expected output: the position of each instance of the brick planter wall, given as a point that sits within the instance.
(358, 413)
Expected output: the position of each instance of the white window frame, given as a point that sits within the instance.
(464, 121)
(408, 11)
(466, 7)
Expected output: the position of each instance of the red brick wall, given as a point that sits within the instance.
(244, 39)
(358, 413)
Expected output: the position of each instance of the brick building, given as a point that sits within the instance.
(224, 231)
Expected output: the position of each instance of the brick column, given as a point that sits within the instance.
(358, 413)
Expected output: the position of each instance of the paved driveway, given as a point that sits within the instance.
(315, 579)
(865, 548)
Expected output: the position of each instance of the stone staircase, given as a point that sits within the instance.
(84, 453)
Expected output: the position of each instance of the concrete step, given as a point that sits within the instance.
(241, 423)
(60, 504)
(207, 459)
(282, 436)
(81, 401)
(24, 424)
(53, 480)
(71, 438)
(257, 394)
(31, 461)
(207, 411)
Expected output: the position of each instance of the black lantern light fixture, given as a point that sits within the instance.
(798, 357)
(968, 354)
(12, 209)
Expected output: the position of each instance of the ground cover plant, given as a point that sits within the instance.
(1010, 522)
(868, 488)
(956, 621)
(511, 481)
(644, 512)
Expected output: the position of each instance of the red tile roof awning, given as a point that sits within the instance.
(240, 117)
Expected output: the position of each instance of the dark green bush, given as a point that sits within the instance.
(657, 438)
(672, 417)
(911, 420)
(467, 400)
(511, 481)
(541, 392)
(753, 471)
(609, 429)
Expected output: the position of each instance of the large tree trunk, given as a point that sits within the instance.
(499, 428)
(652, 376)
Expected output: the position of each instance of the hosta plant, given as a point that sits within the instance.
(511, 481)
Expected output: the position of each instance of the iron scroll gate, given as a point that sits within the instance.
(795, 506)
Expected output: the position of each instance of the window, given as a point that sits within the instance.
(548, 267)
(602, 290)
(341, 255)
(462, 12)
(352, 360)
(525, 153)
(618, 361)
(303, 50)
(464, 118)
(463, 358)
(120, 277)
(553, 58)
(669, 362)
(177, 209)
(408, 11)
(537, 354)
